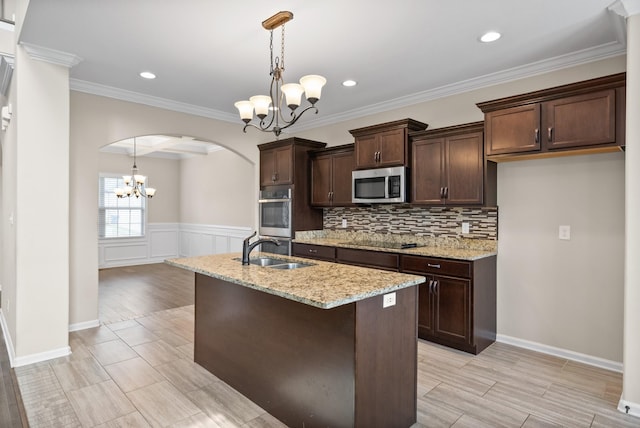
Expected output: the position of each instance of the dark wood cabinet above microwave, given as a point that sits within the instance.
(385, 144)
(448, 167)
(585, 117)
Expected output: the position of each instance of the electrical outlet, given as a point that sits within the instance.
(564, 232)
(344, 223)
(465, 227)
(388, 300)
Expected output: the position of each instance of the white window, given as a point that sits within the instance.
(118, 217)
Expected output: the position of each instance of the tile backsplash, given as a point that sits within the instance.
(419, 221)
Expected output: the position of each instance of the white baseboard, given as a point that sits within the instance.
(7, 338)
(630, 408)
(41, 356)
(28, 359)
(84, 325)
(560, 352)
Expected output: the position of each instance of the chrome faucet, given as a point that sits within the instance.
(247, 248)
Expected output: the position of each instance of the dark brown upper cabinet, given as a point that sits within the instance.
(276, 166)
(385, 144)
(286, 161)
(331, 176)
(585, 117)
(448, 167)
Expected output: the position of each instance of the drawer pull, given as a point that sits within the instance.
(313, 251)
(433, 266)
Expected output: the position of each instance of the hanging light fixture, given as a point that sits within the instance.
(269, 108)
(134, 183)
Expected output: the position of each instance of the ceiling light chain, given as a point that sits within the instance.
(134, 183)
(268, 109)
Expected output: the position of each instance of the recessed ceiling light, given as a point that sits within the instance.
(490, 36)
(349, 83)
(147, 75)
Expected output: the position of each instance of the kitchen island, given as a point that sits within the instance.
(325, 345)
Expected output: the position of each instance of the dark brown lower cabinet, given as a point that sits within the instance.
(457, 304)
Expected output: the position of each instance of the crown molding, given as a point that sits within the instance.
(52, 56)
(608, 50)
(136, 97)
(626, 8)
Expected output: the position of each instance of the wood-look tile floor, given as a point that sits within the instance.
(139, 372)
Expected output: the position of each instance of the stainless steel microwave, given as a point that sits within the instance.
(380, 185)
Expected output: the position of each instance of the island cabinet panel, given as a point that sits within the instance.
(582, 117)
(366, 258)
(385, 144)
(457, 303)
(311, 367)
(319, 252)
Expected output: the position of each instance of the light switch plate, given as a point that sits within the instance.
(344, 223)
(564, 232)
(465, 227)
(388, 300)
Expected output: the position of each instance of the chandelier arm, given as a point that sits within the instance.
(298, 116)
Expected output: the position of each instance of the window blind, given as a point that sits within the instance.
(118, 217)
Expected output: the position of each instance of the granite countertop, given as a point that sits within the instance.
(448, 248)
(324, 285)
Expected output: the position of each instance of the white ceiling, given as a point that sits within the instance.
(208, 54)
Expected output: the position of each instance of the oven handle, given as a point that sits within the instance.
(263, 201)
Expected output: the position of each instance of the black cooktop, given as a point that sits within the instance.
(383, 244)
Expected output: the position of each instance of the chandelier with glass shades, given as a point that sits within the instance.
(268, 109)
(134, 183)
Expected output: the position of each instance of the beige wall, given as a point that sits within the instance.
(40, 207)
(565, 294)
(217, 189)
(163, 174)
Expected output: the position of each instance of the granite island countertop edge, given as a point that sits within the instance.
(335, 285)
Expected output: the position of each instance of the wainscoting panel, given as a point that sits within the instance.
(169, 240)
(198, 239)
(163, 242)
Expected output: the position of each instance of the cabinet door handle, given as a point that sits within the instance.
(435, 287)
(441, 192)
(431, 286)
(313, 251)
(433, 266)
(537, 137)
(446, 192)
(550, 134)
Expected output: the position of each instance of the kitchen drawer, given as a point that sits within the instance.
(319, 252)
(376, 259)
(435, 266)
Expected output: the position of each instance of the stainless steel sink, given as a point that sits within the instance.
(266, 261)
(275, 263)
(290, 265)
